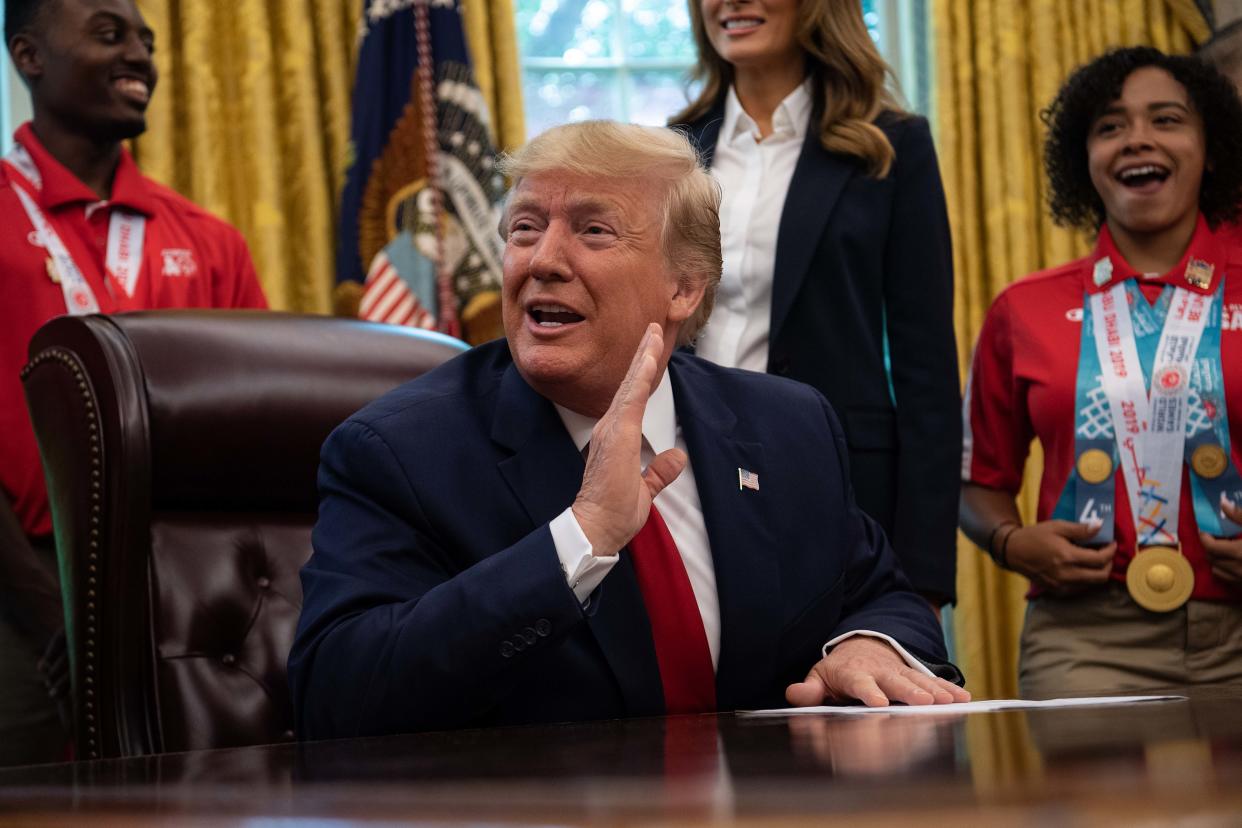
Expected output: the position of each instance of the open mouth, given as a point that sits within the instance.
(1146, 176)
(552, 316)
(133, 89)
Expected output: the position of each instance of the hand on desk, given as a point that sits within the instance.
(615, 497)
(1225, 554)
(871, 671)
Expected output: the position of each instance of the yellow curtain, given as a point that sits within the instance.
(997, 63)
(493, 51)
(251, 120)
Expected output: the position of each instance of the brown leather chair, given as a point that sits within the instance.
(181, 449)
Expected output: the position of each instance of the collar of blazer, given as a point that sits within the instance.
(818, 181)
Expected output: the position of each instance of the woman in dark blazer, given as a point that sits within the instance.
(837, 252)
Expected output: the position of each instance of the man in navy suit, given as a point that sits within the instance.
(577, 522)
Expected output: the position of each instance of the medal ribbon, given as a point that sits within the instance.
(1185, 409)
(1207, 423)
(1151, 425)
(126, 234)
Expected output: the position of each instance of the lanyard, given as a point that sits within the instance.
(1176, 319)
(1150, 427)
(126, 233)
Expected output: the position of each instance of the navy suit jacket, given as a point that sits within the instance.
(857, 257)
(435, 598)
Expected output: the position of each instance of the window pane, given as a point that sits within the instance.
(557, 96)
(655, 95)
(658, 29)
(570, 30)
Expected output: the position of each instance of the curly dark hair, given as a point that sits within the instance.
(1093, 87)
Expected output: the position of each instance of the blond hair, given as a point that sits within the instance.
(847, 74)
(690, 204)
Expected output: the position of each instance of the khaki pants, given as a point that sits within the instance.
(1100, 642)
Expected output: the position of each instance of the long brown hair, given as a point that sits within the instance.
(847, 79)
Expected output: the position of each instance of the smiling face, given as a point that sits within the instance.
(89, 66)
(1146, 155)
(754, 34)
(584, 274)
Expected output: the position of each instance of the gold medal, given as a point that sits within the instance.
(1160, 579)
(1209, 461)
(1094, 466)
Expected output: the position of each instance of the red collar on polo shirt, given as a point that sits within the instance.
(62, 188)
(1205, 250)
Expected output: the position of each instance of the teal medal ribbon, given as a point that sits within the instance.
(1207, 421)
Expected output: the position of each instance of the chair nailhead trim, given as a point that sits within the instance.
(75, 369)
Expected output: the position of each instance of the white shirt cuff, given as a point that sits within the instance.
(901, 651)
(583, 570)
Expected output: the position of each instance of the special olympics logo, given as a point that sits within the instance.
(1170, 379)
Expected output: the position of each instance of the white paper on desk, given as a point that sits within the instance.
(961, 707)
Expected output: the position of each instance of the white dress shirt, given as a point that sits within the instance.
(754, 176)
(682, 511)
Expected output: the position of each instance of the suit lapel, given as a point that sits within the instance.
(742, 543)
(545, 469)
(818, 180)
(544, 473)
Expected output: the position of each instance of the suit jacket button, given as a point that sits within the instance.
(518, 643)
(506, 649)
(543, 628)
(528, 635)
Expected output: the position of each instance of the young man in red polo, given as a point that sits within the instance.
(81, 231)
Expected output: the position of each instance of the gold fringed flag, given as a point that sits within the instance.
(422, 199)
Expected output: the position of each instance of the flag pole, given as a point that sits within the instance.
(447, 295)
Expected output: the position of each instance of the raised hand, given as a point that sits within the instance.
(616, 495)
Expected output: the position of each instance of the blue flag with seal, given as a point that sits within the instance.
(422, 199)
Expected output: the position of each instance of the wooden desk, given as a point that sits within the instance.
(1144, 764)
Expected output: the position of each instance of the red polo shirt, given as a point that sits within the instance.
(1023, 385)
(190, 259)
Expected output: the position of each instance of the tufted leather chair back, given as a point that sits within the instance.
(181, 449)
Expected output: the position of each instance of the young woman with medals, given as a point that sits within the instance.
(837, 254)
(1127, 366)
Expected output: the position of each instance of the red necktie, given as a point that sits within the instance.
(676, 625)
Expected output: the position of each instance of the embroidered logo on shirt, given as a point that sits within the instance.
(1074, 314)
(179, 262)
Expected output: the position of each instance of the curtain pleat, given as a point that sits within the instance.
(490, 30)
(251, 120)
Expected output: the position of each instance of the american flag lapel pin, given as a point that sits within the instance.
(747, 479)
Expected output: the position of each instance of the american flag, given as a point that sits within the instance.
(747, 480)
(389, 299)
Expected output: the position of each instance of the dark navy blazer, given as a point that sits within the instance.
(435, 598)
(858, 256)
